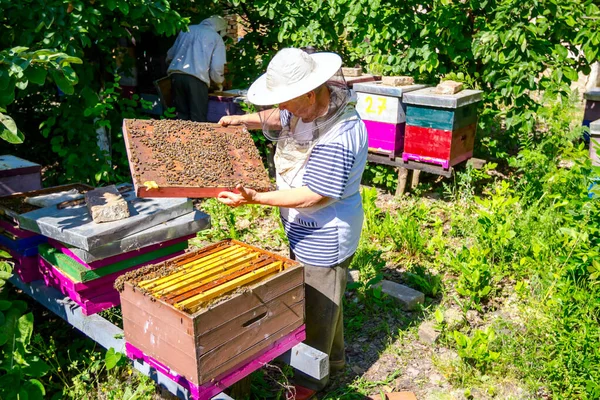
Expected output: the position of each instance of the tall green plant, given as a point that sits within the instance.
(21, 368)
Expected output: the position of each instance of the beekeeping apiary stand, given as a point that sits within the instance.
(301, 357)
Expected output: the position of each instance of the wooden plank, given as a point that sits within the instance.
(398, 162)
(196, 302)
(182, 361)
(268, 290)
(246, 354)
(143, 323)
(289, 305)
(137, 302)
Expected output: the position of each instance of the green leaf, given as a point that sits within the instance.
(35, 390)
(18, 49)
(36, 367)
(36, 75)
(63, 83)
(9, 131)
(111, 4)
(25, 328)
(7, 95)
(123, 6)
(3, 253)
(561, 50)
(112, 358)
(5, 305)
(570, 74)
(4, 79)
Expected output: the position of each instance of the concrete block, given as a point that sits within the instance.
(427, 333)
(106, 204)
(449, 87)
(397, 80)
(348, 71)
(408, 298)
(353, 275)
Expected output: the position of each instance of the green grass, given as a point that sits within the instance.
(517, 257)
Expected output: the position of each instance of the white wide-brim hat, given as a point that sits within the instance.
(292, 73)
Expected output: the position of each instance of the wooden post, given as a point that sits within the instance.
(402, 177)
(415, 179)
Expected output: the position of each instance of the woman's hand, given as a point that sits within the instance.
(245, 196)
(231, 120)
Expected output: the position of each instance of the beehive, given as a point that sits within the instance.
(207, 312)
(381, 108)
(18, 175)
(440, 128)
(21, 244)
(592, 108)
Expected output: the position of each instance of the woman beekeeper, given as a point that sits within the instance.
(320, 157)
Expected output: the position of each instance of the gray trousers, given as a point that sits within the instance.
(324, 292)
(190, 96)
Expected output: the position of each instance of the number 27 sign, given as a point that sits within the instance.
(373, 107)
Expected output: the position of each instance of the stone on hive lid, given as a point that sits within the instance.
(106, 204)
(348, 71)
(397, 80)
(449, 87)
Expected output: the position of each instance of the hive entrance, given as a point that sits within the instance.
(199, 278)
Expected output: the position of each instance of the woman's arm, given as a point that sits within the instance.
(253, 121)
(301, 197)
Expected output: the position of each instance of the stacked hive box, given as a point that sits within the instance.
(83, 259)
(206, 317)
(18, 175)
(595, 142)
(440, 128)
(592, 108)
(22, 244)
(224, 103)
(383, 113)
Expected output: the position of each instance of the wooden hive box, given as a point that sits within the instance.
(221, 104)
(440, 128)
(381, 108)
(201, 341)
(592, 108)
(18, 175)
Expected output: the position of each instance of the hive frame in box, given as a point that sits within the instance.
(301, 357)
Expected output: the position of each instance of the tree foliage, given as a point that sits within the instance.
(511, 49)
(70, 49)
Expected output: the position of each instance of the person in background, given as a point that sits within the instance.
(197, 61)
(320, 158)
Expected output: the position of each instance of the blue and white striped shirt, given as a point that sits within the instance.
(327, 234)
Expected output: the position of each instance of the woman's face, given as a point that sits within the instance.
(301, 106)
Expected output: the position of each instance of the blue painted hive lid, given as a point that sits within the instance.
(11, 165)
